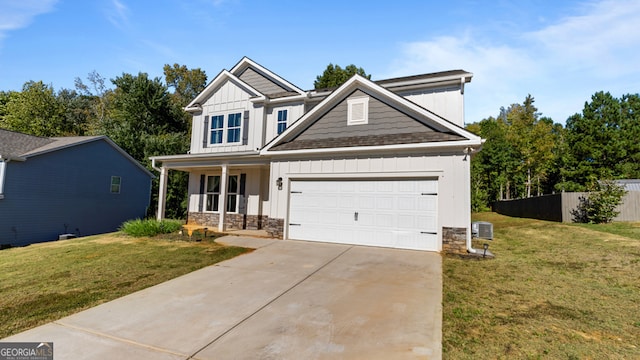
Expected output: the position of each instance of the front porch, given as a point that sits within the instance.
(225, 193)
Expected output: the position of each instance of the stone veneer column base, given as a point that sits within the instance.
(275, 228)
(454, 240)
(232, 221)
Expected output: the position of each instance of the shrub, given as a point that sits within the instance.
(140, 228)
(600, 206)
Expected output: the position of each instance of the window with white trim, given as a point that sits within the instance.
(225, 128)
(282, 120)
(234, 126)
(212, 193)
(358, 111)
(116, 181)
(217, 129)
(232, 194)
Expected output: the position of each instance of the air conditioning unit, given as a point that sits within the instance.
(482, 230)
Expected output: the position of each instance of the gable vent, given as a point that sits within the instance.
(358, 111)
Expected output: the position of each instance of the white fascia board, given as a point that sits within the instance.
(278, 100)
(245, 61)
(196, 104)
(442, 145)
(205, 156)
(437, 81)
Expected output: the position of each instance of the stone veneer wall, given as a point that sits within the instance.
(454, 240)
(275, 227)
(233, 221)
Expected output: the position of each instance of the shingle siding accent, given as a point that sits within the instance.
(383, 120)
(261, 83)
(372, 140)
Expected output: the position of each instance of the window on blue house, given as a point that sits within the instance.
(217, 128)
(282, 121)
(234, 125)
(116, 181)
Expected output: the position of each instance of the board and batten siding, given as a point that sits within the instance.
(450, 169)
(69, 191)
(447, 102)
(228, 98)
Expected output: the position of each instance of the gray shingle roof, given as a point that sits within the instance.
(370, 140)
(15, 144)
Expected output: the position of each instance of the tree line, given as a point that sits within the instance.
(526, 154)
(142, 115)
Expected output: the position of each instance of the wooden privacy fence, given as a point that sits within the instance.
(558, 207)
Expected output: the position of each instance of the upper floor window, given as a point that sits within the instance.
(282, 121)
(217, 129)
(225, 127)
(234, 125)
(358, 111)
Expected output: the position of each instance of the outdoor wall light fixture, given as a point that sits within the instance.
(279, 183)
(485, 247)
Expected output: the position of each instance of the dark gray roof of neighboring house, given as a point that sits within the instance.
(370, 140)
(14, 144)
(18, 146)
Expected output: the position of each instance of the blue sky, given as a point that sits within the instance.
(561, 52)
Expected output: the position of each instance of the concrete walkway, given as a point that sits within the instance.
(285, 300)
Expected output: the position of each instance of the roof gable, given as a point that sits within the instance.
(196, 104)
(263, 79)
(393, 120)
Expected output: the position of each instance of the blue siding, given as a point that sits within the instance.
(69, 191)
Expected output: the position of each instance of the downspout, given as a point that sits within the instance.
(467, 155)
(3, 167)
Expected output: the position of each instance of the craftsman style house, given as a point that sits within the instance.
(379, 163)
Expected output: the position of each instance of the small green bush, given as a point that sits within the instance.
(600, 206)
(140, 228)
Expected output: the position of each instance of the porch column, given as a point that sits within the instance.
(223, 197)
(162, 192)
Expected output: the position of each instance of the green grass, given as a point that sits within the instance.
(150, 227)
(554, 291)
(44, 282)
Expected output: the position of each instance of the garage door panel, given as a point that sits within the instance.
(390, 213)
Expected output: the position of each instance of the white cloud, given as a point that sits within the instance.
(19, 14)
(561, 65)
(118, 14)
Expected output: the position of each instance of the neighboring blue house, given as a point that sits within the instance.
(68, 185)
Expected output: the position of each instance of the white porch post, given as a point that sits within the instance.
(162, 192)
(223, 197)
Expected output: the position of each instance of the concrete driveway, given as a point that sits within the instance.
(285, 300)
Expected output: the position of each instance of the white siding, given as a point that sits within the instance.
(446, 102)
(451, 171)
(229, 97)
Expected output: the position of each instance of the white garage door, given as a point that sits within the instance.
(390, 213)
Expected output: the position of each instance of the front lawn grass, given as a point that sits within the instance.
(554, 291)
(44, 282)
